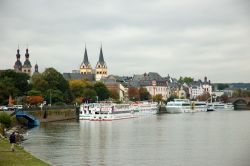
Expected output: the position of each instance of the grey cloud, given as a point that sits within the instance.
(182, 37)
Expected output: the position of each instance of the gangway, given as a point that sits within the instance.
(32, 121)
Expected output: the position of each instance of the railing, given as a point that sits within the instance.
(49, 108)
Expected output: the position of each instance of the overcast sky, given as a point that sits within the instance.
(177, 37)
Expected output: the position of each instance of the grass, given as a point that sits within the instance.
(18, 158)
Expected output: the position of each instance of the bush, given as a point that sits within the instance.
(59, 104)
(5, 119)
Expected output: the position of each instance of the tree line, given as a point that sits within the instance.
(52, 87)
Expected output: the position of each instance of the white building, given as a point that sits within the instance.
(198, 88)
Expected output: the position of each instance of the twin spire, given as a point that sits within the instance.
(86, 62)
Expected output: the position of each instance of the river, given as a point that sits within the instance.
(220, 138)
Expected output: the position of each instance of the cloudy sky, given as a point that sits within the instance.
(177, 37)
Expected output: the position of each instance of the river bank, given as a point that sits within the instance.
(20, 157)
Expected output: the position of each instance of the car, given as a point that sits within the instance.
(3, 108)
(18, 106)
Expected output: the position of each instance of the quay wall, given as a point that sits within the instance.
(54, 115)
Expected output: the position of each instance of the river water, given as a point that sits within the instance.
(220, 138)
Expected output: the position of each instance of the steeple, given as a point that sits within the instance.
(101, 69)
(85, 59)
(18, 54)
(27, 65)
(85, 67)
(18, 63)
(36, 68)
(27, 55)
(101, 59)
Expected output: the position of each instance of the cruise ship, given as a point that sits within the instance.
(216, 106)
(178, 106)
(111, 111)
(199, 106)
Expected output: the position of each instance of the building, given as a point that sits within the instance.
(26, 67)
(198, 88)
(87, 72)
(153, 82)
(114, 83)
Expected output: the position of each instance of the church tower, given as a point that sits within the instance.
(18, 63)
(85, 67)
(27, 65)
(101, 69)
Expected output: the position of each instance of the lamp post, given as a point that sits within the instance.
(50, 101)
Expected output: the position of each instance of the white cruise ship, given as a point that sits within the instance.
(199, 106)
(178, 106)
(216, 106)
(111, 111)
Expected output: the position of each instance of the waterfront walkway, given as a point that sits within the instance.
(20, 157)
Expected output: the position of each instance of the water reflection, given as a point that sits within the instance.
(218, 138)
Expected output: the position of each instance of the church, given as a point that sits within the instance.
(26, 67)
(87, 72)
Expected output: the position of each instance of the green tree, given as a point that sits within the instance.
(89, 95)
(77, 87)
(186, 80)
(144, 94)
(55, 79)
(101, 90)
(171, 98)
(158, 98)
(17, 80)
(34, 93)
(5, 119)
(53, 96)
(222, 86)
(39, 83)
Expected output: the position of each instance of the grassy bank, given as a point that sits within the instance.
(18, 158)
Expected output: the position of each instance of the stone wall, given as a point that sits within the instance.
(54, 115)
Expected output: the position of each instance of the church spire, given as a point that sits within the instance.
(101, 59)
(18, 63)
(86, 59)
(36, 68)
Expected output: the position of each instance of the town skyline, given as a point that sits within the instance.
(213, 40)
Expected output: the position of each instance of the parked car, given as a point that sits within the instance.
(3, 108)
(18, 106)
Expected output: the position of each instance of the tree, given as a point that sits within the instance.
(5, 119)
(186, 80)
(101, 90)
(77, 87)
(133, 94)
(39, 83)
(55, 80)
(89, 95)
(12, 84)
(224, 98)
(222, 86)
(172, 97)
(53, 96)
(204, 97)
(158, 98)
(114, 94)
(34, 93)
(144, 94)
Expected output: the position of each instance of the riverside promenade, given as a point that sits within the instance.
(20, 157)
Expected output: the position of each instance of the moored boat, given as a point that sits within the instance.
(178, 106)
(216, 106)
(111, 111)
